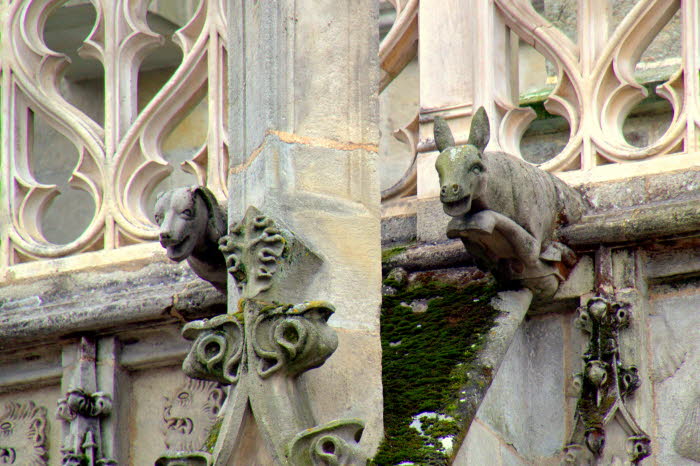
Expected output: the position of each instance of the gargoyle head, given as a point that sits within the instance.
(189, 220)
(461, 168)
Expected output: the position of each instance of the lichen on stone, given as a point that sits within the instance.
(213, 436)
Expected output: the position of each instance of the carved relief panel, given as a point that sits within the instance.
(189, 412)
(23, 430)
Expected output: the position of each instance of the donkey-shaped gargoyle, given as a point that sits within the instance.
(505, 210)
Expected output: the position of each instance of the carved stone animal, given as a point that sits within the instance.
(191, 223)
(505, 210)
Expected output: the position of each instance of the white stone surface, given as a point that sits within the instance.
(525, 404)
(675, 395)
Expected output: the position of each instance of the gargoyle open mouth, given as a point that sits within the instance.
(458, 207)
(176, 250)
(181, 425)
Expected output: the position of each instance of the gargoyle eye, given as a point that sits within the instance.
(159, 219)
(187, 213)
(183, 396)
(477, 169)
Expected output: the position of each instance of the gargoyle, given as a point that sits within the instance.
(505, 210)
(191, 223)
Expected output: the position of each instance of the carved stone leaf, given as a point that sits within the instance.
(253, 250)
(23, 434)
(296, 338)
(218, 350)
(335, 443)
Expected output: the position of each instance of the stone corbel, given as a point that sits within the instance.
(261, 347)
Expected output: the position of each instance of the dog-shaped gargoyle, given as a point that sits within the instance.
(191, 223)
(505, 211)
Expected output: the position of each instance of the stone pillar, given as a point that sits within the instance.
(303, 138)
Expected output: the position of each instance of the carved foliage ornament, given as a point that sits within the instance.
(287, 338)
(263, 346)
(253, 250)
(78, 402)
(121, 161)
(604, 384)
(23, 431)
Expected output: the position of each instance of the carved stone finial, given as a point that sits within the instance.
(191, 223)
(504, 210)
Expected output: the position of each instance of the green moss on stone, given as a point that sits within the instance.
(425, 357)
(213, 436)
(392, 252)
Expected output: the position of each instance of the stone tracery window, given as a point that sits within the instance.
(600, 61)
(115, 103)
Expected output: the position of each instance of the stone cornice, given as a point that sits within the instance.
(66, 306)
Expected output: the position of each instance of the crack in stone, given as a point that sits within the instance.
(291, 138)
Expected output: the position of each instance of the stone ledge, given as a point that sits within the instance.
(654, 222)
(66, 305)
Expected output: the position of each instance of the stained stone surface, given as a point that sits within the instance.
(675, 396)
(526, 400)
(480, 447)
(348, 366)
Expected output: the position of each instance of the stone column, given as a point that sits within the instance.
(303, 137)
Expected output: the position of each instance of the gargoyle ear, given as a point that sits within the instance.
(217, 224)
(442, 134)
(480, 131)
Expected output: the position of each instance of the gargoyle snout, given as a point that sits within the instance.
(166, 237)
(452, 191)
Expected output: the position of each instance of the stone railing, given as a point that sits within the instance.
(589, 72)
(112, 101)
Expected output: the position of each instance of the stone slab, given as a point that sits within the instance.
(525, 403)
